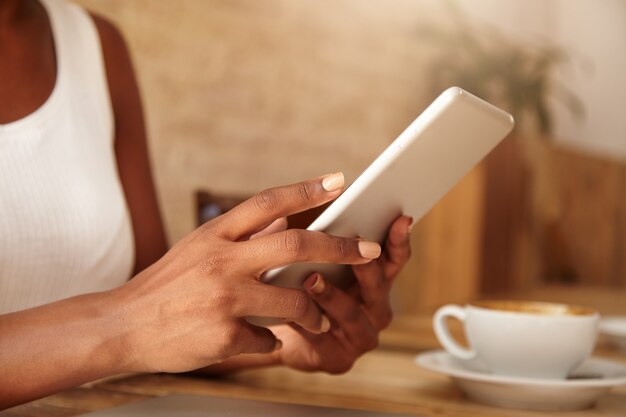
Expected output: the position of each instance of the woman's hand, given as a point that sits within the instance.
(188, 309)
(357, 316)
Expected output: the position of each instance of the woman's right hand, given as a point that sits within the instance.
(188, 309)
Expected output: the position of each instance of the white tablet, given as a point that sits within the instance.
(441, 146)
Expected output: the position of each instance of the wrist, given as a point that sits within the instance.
(120, 326)
(64, 344)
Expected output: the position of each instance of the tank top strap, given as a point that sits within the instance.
(81, 71)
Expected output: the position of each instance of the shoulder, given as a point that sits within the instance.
(118, 66)
(110, 36)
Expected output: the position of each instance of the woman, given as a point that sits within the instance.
(79, 217)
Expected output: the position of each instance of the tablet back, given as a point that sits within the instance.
(441, 146)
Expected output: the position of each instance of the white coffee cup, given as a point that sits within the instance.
(522, 338)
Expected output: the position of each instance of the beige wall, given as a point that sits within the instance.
(242, 95)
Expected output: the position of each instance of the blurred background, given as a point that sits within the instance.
(241, 95)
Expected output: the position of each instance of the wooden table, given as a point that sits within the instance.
(383, 380)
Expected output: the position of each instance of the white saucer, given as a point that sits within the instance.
(592, 379)
(614, 328)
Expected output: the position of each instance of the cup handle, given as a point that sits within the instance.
(443, 334)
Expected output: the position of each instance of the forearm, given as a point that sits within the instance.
(60, 345)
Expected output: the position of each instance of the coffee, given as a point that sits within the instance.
(535, 307)
(522, 338)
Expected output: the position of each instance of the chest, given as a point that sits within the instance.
(27, 65)
(58, 195)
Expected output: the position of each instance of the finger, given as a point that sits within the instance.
(345, 313)
(284, 303)
(250, 216)
(374, 291)
(247, 338)
(276, 226)
(324, 352)
(397, 247)
(297, 245)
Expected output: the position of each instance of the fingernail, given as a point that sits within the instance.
(325, 324)
(278, 345)
(411, 225)
(317, 286)
(369, 250)
(333, 182)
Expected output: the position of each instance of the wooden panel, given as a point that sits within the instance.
(504, 216)
(619, 251)
(591, 191)
(446, 251)
(552, 215)
(541, 214)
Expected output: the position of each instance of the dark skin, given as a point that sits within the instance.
(213, 273)
(29, 80)
(27, 45)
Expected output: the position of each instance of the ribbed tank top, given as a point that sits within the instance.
(64, 223)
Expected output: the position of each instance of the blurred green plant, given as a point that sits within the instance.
(515, 75)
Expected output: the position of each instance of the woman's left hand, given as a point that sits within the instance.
(357, 316)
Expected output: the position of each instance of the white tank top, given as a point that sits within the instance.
(64, 224)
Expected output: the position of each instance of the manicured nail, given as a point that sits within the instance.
(325, 324)
(369, 250)
(317, 286)
(333, 182)
(411, 225)
(278, 345)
